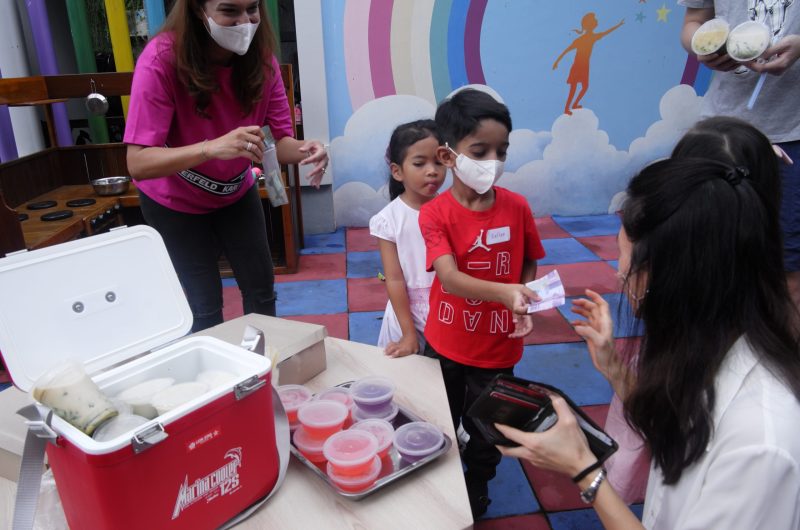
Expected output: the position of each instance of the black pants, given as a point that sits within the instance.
(195, 242)
(463, 385)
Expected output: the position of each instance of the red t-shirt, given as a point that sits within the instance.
(490, 245)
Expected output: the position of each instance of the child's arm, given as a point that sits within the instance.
(514, 296)
(609, 30)
(398, 295)
(523, 324)
(570, 47)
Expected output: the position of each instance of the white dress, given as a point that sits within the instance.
(399, 223)
(749, 477)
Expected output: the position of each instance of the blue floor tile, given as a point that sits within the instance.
(568, 367)
(3, 386)
(589, 225)
(565, 250)
(364, 264)
(614, 264)
(510, 491)
(575, 520)
(311, 297)
(365, 326)
(229, 282)
(625, 324)
(324, 243)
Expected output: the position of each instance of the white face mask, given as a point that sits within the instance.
(479, 175)
(236, 39)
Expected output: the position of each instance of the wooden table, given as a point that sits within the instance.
(432, 497)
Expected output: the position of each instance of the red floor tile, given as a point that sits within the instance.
(4, 377)
(604, 246)
(557, 492)
(360, 240)
(598, 276)
(534, 521)
(548, 229)
(336, 324)
(550, 327)
(366, 294)
(317, 267)
(231, 303)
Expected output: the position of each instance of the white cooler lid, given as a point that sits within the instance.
(99, 300)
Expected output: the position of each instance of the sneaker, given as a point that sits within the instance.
(478, 493)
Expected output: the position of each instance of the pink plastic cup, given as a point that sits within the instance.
(292, 396)
(342, 395)
(311, 448)
(350, 453)
(354, 484)
(382, 430)
(416, 440)
(373, 394)
(320, 419)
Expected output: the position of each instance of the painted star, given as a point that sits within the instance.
(662, 13)
(640, 17)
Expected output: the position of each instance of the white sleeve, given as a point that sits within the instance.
(381, 227)
(696, 3)
(752, 487)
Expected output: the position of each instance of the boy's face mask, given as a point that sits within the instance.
(479, 175)
(236, 39)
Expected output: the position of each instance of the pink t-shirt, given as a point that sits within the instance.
(162, 113)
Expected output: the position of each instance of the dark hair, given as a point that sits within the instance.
(703, 239)
(460, 115)
(191, 44)
(737, 143)
(403, 137)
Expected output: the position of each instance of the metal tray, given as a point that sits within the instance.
(394, 467)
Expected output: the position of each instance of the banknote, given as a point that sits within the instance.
(550, 290)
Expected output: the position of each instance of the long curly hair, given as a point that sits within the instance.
(191, 44)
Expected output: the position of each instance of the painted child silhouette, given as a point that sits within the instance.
(583, 45)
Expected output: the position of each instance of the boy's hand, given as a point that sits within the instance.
(403, 347)
(523, 325)
(518, 297)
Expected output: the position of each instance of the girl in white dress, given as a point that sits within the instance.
(416, 176)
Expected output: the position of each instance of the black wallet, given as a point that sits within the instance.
(526, 405)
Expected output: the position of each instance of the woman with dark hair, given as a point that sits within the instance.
(203, 88)
(715, 391)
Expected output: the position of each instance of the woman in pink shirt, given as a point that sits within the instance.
(203, 89)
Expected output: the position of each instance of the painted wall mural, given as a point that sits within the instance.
(630, 90)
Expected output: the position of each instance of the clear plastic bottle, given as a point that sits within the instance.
(272, 172)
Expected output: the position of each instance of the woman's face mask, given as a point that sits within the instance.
(479, 175)
(236, 39)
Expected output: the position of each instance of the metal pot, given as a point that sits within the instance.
(96, 103)
(111, 185)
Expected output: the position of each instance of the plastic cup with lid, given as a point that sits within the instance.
(356, 483)
(292, 396)
(140, 396)
(711, 36)
(73, 396)
(388, 413)
(117, 426)
(748, 41)
(416, 440)
(351, 453)
(340, 394)
(320, 419)
(176, 395)
(373, 394)
(310, 447)
(383, 432)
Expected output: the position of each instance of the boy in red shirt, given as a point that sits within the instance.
(482, 242)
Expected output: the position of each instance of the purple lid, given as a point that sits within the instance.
(372, 390)
(388, 413)
(418, 439)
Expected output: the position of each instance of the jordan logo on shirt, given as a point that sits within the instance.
(479, 243)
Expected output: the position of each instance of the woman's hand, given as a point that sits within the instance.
(315, 154)
(780, 57)
(598, 332)
(405, 346)
(562, 448)
(245, 142)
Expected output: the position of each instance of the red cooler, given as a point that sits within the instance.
(113, 302)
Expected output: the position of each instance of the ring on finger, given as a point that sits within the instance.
(249, 144)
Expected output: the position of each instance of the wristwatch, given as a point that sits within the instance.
(588, 495)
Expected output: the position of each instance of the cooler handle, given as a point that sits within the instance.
(245, 388)
(147, 438)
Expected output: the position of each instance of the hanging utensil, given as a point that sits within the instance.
(96, 103)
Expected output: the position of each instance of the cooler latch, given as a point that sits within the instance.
(245, 388)
(147, 438)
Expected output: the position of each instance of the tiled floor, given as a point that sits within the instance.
(337, 286)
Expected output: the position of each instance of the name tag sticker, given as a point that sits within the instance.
(498, 235)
